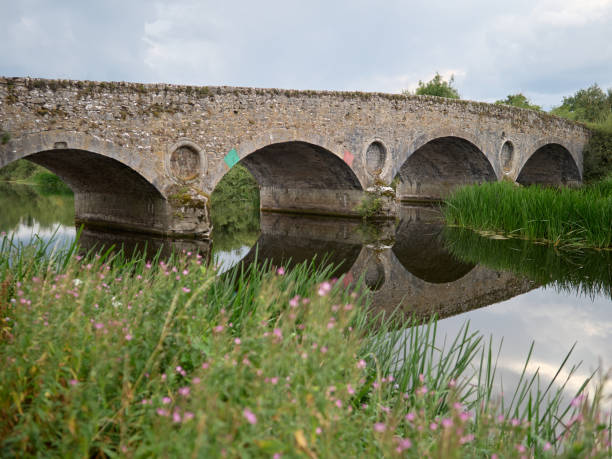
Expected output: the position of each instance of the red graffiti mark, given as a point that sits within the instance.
(348, 157)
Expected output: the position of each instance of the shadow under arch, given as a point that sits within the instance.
(420, 248)
(550, 164)
(439, 166)
(302, 177)
(108, 194)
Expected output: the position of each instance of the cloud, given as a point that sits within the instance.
(543, 48)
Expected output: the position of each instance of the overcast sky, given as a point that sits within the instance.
(546, 49)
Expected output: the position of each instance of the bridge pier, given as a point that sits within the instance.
(181, 216)
(314, 201)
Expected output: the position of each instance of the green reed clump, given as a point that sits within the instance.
(559, 216)
(104, 355)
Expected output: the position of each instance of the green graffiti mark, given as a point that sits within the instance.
(231, 158)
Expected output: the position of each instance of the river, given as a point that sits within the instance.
(509, 289)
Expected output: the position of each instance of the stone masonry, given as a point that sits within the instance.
(146, 158)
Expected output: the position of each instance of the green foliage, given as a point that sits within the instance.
(235, 209)
(4, 137)
(597, 156)
(49, 184)
(563, 217)
(586, 105)
(21, 169)
(113, 356)
(437, 86)
(370, 205)
(518, 100)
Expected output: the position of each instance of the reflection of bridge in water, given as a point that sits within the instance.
(405, 265)
(415, 271)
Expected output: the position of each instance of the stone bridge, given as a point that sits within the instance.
(145, 158)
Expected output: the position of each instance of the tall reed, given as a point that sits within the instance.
(559, 216)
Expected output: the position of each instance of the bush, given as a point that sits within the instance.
(369, 206)
(50, 184)
(437, 86)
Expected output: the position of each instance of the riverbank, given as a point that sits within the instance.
(164, 358)
(563, 217)
(27, 173)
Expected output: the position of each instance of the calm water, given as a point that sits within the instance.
(508, 289)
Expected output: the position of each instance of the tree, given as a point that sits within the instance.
(437, 87)
(518, 100)
(587, 105)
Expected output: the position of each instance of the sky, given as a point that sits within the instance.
(546, 49)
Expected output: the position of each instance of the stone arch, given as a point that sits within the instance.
(285, 136)
(299, 175)
(551, 163)
(57, 141)
(439, 165)
(112, 190)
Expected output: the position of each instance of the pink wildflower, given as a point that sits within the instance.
(162, 412)
(184, 391)
(186, 290)
(176, 417)
(166, 400)
(250, 416)
(361, 364)
(380, 427)
(324, 288)
(294, 302)
(280, 271)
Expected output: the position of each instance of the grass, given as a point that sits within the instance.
(105, 355)
(558, 216)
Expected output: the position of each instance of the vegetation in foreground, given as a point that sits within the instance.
(108, 356)
(559, 216)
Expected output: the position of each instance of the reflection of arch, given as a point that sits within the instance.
(440, 165)
(374, 275)
(420, 249)
(301, 238)
(550, 164)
